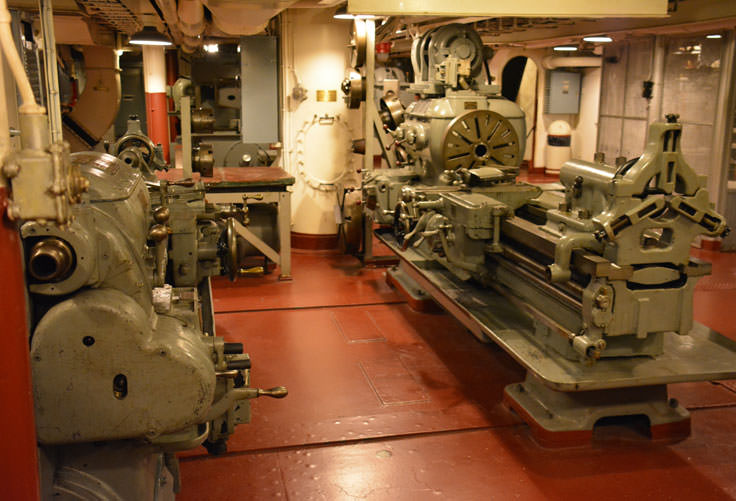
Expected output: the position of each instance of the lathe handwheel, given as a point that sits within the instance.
(477, 138)
(358, 44)
(392, 112)
(232, 250)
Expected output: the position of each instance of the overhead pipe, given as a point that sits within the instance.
(191, 17)
(191, 23)
(552, 62)
(171, 18)
(96, 108)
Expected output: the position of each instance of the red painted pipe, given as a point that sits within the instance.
(19, 456)
(157, 118)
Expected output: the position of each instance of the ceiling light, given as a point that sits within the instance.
(149, 36)
(714, 35)
(342, 13)
(598, 38)
(565, 48)
(211, 48)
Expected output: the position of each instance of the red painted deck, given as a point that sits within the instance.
(389, 404)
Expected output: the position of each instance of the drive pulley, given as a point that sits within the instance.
(477, 138)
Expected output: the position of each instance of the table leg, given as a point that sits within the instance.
(285, 234)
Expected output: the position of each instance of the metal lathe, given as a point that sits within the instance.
(588, 283)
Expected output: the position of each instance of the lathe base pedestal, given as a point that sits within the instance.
(407, 287)
(568, 418)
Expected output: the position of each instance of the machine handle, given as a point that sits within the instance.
(276, 392)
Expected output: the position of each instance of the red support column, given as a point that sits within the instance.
(154, 80)
(19, 457)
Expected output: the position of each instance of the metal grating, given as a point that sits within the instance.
(112, 13)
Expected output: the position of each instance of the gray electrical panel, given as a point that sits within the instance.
(562, 92)
(260, 89)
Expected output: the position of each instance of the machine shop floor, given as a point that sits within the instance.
(387, 403)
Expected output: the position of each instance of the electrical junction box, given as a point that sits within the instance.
(259, 77)
(562, 92)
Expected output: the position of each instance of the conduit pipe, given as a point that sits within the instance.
(552, 62)
(52, 72)
(29, 104)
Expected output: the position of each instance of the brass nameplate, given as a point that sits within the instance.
(324, 96)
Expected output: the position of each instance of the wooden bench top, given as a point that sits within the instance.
(230, 178)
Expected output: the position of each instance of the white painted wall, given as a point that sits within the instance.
(584, 125)
(314, 51)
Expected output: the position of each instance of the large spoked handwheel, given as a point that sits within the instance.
(479, 137)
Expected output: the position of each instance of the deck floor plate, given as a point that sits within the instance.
(463, 445)
(702, 355)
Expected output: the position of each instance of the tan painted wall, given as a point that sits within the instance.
(584, 125)
(314, 52)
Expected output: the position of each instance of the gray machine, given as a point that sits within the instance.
(589, 284)
(127, 369)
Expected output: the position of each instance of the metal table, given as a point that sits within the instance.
(256, 185)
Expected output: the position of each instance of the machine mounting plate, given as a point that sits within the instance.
(702, 355)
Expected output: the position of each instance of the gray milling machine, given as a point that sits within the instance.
(126, 367)
(588, 285)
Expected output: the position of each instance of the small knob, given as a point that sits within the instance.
(158, 232)
(161, 214)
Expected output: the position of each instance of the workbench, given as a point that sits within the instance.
(252, 185)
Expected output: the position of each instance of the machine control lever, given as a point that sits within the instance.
(276, 392)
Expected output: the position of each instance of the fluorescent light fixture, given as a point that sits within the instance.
(565, 48)
(342, 13)
(149, 36)
(714, 35)
(211, 48)
(598, 38)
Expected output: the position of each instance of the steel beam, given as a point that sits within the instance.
(521, 8)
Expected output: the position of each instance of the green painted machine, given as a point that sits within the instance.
(588, 283)
(127, 369)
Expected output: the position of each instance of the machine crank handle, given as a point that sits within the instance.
(275, 392)
(228, 400)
